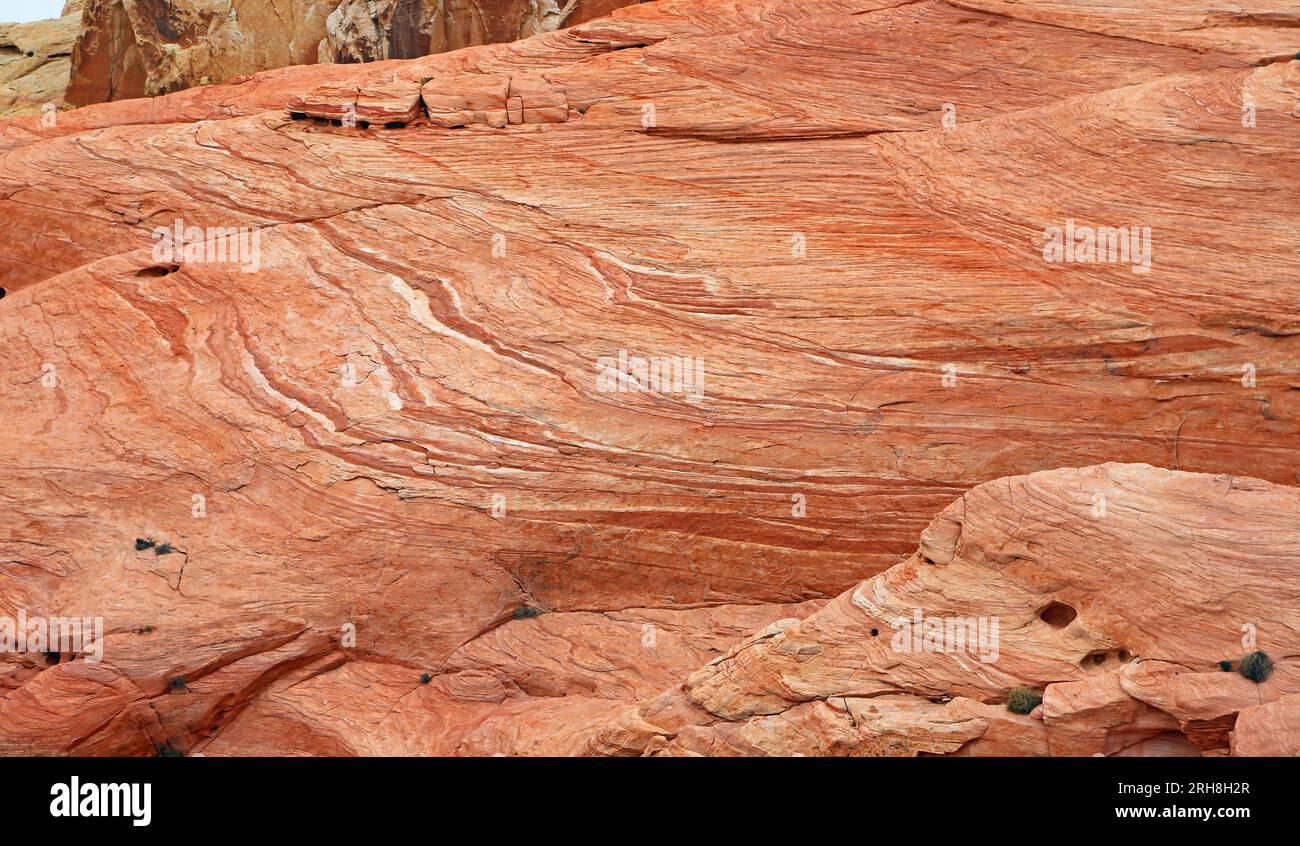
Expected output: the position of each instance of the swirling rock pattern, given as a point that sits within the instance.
(1119, 617)
(403, 416)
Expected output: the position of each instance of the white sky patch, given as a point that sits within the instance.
(24, 11)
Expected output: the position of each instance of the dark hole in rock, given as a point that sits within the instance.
(364, 124)
(2, 293)
(157, 270)
(1058, 615)
(395, 124)
(51, 658)
(875, 632)
(1124, 655)
(297, 115)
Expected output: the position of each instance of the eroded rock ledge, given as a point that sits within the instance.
(1121, 616)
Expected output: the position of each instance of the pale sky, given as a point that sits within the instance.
(21, 11)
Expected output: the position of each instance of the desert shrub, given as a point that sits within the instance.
(1256, 666)
(425, 678)
(143, 543)
(523, 612)
(1022, 700)
(164, 549)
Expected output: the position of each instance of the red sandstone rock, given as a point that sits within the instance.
(1158, 591)
(397, 417)
(1269, 729)
(464, 99)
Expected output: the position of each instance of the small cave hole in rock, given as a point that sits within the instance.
(395, 124)
(1125, 655)
(157, 270)
(875, 632)
(1096, 660)
(52, 658)
(1058, 615)
(2, 293)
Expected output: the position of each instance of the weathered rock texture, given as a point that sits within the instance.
(393, 419)
(36, 60)
(1119, 616)
(143, 48)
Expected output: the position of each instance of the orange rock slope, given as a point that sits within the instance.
(517, 399)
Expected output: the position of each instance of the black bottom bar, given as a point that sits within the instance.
(867, 796)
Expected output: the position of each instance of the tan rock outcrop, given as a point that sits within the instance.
(36, 61)
(143, 48)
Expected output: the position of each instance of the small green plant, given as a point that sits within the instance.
(425, 678)
(143, 543)
(164, 549)
(144, 630)
(166, 750)
(1022, 700)
(523, 612)
(177, 683)
(1226, 666)
(1256, 666)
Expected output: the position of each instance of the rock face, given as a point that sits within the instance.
(1119, 615)
(143, 48)
(35, 62)
(557, 397)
